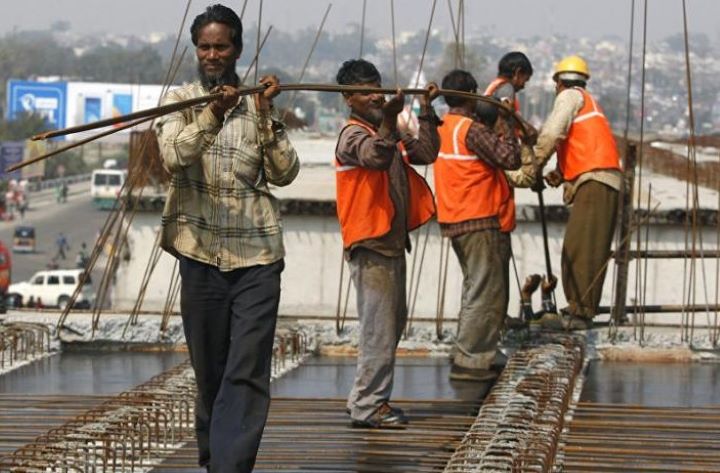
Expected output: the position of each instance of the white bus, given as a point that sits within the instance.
(105, 187)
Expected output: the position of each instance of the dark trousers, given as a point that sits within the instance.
(229, 322)
(586, 246)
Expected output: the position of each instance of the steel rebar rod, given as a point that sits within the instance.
(170, 108)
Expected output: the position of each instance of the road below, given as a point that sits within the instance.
(76, 218)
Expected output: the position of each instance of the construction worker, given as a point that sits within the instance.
(589, 166)
(471, 189)
(222, 223)
(514, 71)
(380, 198)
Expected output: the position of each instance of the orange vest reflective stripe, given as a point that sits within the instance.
(590, 144)
(506, 215)
(467, 187)
(364, 207)
(495, 85)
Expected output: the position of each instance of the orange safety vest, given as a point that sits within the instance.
(506, 215)
(495, 84)
(467, 187)
(364, 207)
(590, 144)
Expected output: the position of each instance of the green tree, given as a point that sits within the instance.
(22, 127)
(113, 63)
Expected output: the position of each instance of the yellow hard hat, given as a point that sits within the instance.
(572, 68)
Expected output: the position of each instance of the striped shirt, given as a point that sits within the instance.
(219, 209)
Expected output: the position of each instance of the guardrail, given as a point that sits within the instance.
(37, 186)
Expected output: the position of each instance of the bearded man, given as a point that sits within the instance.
(222, 223)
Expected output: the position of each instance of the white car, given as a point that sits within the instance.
(52, 288)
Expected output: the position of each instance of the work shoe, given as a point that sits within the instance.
(551, 321)
(460, 373)
(574, 322)
(385, 417)
(562, 322)
(513, 323)
(499, 361)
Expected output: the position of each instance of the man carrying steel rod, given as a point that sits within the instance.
(380, 199)
(223, 225)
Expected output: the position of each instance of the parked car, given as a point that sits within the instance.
(5, 270)
(24, 239)
(51, 288)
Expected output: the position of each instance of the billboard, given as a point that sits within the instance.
(93, 110)
(66, 104)
(121, 105)
(11, 152)
(48, 99)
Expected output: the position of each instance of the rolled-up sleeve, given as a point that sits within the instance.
(555, 129)
(525, 176)
(280, 160)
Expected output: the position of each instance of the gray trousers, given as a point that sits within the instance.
(484, 258)
(382, 310)
(586, 246)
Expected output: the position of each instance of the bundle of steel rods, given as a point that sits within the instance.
(519, 424)
(21, 342)
(134, 429)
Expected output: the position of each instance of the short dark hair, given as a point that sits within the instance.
(512, 62)
(357, 71)
(486, 113)
(218, 14)
(573, 83)
(458, 80)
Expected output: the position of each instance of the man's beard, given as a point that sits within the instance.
(374, 116)
(210, 81)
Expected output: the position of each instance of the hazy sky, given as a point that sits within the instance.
(593, 18)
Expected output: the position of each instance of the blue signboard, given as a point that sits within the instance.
(11, 152)
(122, 104)
(93, 109)
(48, 99)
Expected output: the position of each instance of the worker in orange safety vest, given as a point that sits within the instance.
(588, 164)
(471, 189)
(514, 71)
(380, 198)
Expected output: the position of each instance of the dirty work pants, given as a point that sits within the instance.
(229, 322)
(382, 310)
(484, 258)
(586, 246)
